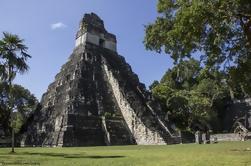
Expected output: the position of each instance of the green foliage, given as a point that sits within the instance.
(16, 121)
(191, 95)
(13, 55)
(183, 75)
(153, 85)
(162, 91)
(23, 103)
(108, 115)
(240, 78)
(217, 32)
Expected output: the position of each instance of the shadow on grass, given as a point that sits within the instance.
(241, 150)
(67, 155)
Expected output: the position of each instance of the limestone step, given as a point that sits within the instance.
(119, 134)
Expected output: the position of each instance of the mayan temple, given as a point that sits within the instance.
(96, 99)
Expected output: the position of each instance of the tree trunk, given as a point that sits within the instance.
(12, 141)
(231, 92)
(243, 90)
(11, 108)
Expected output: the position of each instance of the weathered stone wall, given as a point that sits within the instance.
(81, 39)
(141, 133)
(226, 137)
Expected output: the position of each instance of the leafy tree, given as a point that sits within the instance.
(191, 95)
(178, 109)
(219, 32)
(240, 78)
(13, 57)
(154, 84)
(183, 75)
(23, 103)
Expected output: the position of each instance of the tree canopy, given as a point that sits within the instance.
(13, 57)
(217, 32)
(23, 104)
(192, 98)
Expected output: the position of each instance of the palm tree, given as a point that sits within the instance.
(13, 57)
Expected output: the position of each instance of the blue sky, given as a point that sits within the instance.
(49, 28)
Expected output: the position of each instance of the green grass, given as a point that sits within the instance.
(228, 153)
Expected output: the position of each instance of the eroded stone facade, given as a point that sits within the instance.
(96, 99)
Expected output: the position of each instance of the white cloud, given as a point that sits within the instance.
(58, 25)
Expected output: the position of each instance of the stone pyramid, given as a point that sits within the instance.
(96, 99)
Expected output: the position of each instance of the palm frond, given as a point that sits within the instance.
(13, 56)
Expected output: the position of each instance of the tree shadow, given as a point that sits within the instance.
(64, 155)
(98, 157)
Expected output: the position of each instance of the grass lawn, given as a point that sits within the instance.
(228, 153)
